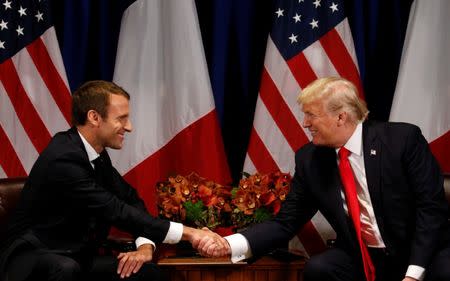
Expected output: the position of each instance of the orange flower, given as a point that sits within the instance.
(193, 198)
(245, 201)
(259, 197)
(195, 201)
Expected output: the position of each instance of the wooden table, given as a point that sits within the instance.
(221, 269)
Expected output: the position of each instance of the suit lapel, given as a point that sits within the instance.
(331, 190)
(75, 137)
(372, 162)
(108, 182)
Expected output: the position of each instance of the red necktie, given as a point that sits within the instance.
(353, 209)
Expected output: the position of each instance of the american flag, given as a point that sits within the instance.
(34, 93)
(309, 39)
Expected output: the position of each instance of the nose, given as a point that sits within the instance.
(128, 126)
(306, 123)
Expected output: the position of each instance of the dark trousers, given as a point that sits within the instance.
(57, 267)
(336, 265)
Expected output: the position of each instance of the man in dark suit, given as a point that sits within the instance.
(398, 195)
(72, 197)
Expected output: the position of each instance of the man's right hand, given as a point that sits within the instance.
(206, 242)
(131, 262)
(214, 248)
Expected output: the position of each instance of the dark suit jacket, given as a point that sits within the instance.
(405, 185)
(62, 198)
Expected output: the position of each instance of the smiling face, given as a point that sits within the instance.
(112, 128)
(325, 127)
(332, 110)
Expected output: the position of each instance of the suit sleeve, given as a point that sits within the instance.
(431, 208)
(74, 182)
(296, 210)
(130, 194)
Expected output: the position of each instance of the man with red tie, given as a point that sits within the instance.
(378, 185)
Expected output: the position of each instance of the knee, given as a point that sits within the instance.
(441, 275)
(315, 270)
(66, 269)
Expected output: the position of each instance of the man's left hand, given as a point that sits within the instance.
(131, 262)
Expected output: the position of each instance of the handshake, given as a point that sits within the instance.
(206, 242)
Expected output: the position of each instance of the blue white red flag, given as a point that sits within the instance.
(161, 62)
(422, 96)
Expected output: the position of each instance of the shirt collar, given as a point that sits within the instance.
(92, 154)
(354, 143)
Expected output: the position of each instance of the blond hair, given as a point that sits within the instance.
(337, 94)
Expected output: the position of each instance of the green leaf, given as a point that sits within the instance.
(233, 192)
(195, 212)
(262, 214)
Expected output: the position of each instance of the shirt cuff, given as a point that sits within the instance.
(240, 248)
(174, 234)
(142, 240)
(416, 272)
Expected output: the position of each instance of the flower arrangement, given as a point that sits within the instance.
(193, 200)
(198, 202)
(258, 197)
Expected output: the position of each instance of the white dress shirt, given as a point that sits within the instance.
(369, 227)
(240, 248)
(175, 232)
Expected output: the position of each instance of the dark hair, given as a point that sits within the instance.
(93, 95)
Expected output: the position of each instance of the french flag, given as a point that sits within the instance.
(161, 63)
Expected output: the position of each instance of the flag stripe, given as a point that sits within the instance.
(2, 172)
(203, 136)
(310, 239)
(51, 77)
(8, 158)
(321, 223)
(273, 138)
(23, 147)
(280, 112)
(440, 149)
(295, 246)
(249, 165)
(38, 93)
(301, 70)
(318, 60)
(282, 77)
(341, 59)
(343, 29)
(260, 156)
(26, 113)
(51, 43)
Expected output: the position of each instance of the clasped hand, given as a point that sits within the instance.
(206, 242)
(210, 244)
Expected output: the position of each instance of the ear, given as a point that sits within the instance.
(342, 118)
(93, 117)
